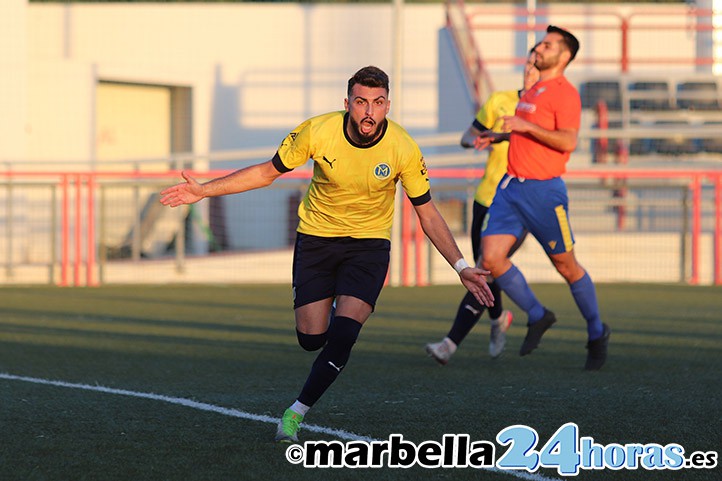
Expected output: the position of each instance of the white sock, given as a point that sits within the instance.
(299, 408)
(451, 345)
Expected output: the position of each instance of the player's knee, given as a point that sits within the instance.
(566, 273)
(311, 342)
(568, 268)
(489, 263)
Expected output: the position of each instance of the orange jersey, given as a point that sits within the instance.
(553, 105)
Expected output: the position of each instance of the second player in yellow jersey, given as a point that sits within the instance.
(490, 117)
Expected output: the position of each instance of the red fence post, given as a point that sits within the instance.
(718, 230)
(78, 229)
(406, 220)
(90, 241)
(696, 227)
(419, 253)
(624, 27)
(64, 230)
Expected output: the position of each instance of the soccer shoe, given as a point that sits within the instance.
(441, 351)
(497, 337)
(288, 427)
(535, 332)
(597, 351)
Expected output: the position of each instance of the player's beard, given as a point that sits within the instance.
(544, 63)
(362, 137)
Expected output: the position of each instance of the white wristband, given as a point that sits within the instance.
(460, 265)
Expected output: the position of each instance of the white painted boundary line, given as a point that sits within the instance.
(338, 433)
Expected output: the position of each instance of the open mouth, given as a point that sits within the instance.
(367, 126)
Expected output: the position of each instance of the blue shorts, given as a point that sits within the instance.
(539, 206)
(326, 267)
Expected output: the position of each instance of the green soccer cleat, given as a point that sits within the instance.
(288, 427)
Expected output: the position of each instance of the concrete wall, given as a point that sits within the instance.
(13, 81)
(255, 70)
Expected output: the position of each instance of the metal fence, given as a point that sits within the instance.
(90, 228)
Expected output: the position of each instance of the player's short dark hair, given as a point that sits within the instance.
(570, 40)
(369, 77)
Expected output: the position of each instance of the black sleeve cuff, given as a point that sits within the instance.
(479, 126)
(278, 164)
(422, 199)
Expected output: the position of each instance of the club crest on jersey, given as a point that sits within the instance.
(382, 171)
(526, 107)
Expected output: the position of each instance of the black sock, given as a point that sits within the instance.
(467, 316)
(495, 311)
(342, 335)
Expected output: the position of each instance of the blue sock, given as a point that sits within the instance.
(513, 283)
(586, 298)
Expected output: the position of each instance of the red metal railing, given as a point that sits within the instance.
(625, 25)
(78, 225)
(695, 179)
(463, 21)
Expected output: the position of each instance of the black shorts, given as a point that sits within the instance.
(326, 267)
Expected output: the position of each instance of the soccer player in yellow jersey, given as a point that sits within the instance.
(486, 131)
(343, 241)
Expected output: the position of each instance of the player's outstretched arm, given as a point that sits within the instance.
(242, 180)
(188, 192)
(438, 232)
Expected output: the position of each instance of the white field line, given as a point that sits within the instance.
(338, 433)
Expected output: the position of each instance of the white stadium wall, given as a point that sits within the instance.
(255, 69)
(13, 81)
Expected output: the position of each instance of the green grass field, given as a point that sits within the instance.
(234, 347)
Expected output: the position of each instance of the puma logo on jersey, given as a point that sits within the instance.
(329, 162)
(292, 136)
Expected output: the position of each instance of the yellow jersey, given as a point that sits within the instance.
(490, 116)
(353, 187)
